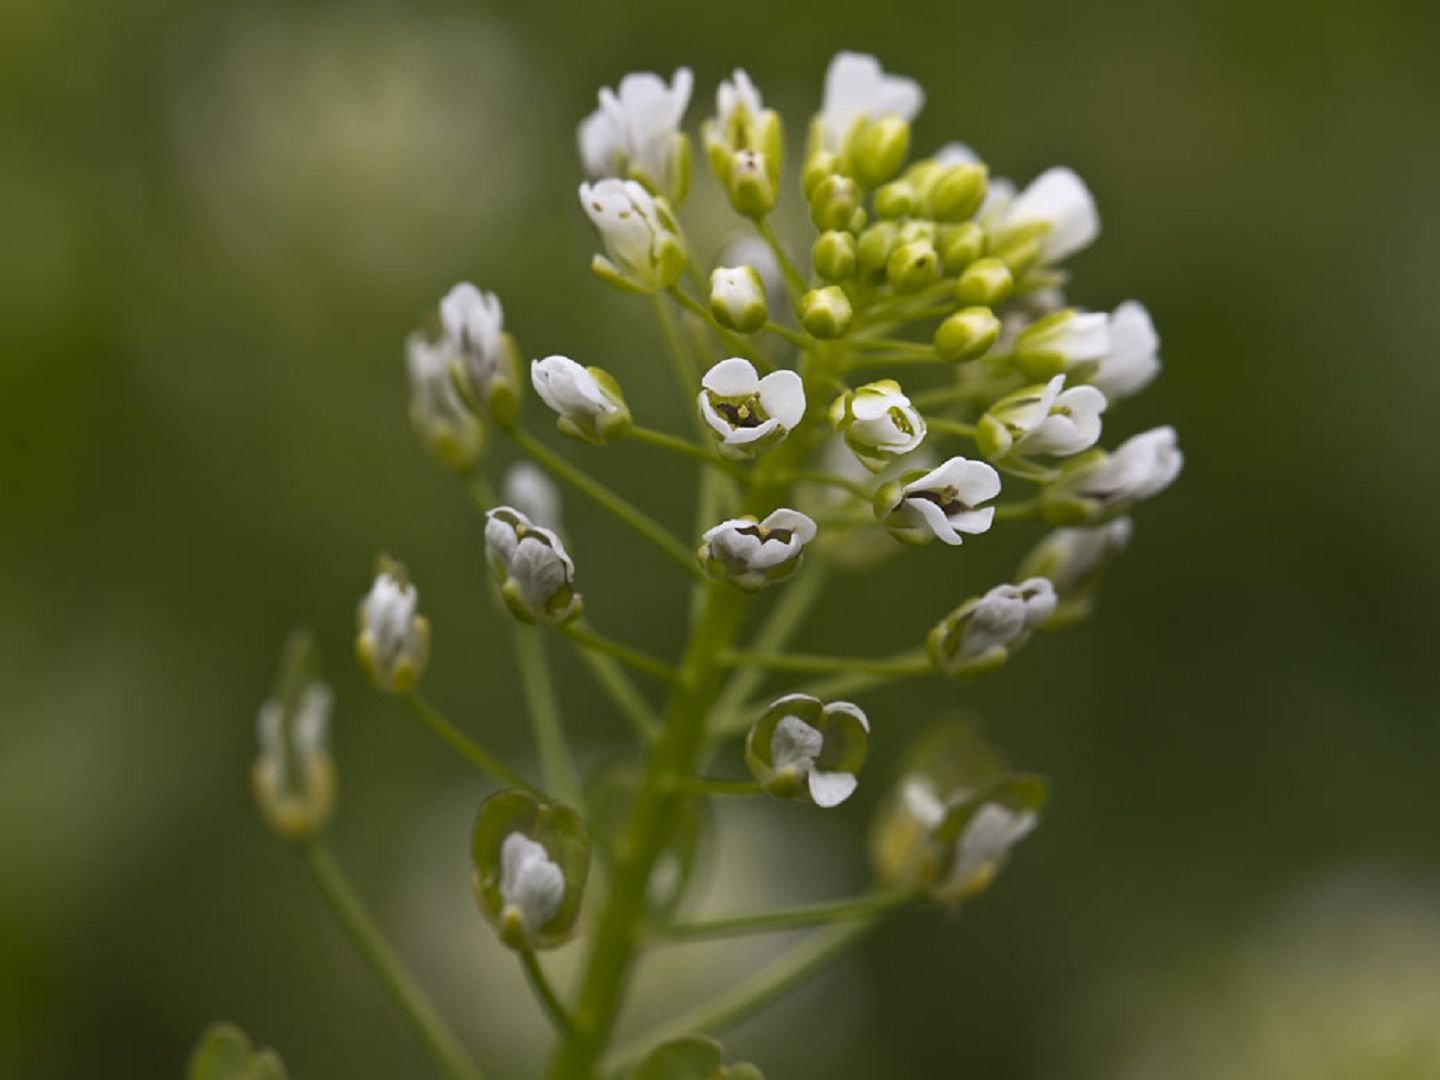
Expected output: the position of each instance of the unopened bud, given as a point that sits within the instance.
(737, 298)
(913, 266)
(958, 192)
(877, 149)
(896, 199)
(967, 334)
(985, 281)
(834, 255)
(960, 245)
(833, 203)
(826, 313)
(872, 250)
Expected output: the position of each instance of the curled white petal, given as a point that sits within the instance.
(856, 88)
(529, 881)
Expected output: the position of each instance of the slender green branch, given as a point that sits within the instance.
(1027, 470)
(591, 488)
(793, 281)
(855, 907)
(857, 488)
(794, 337)
(946, 426)
(1016, 511)
(912, 663)
(753, 994)
(975, 393)
(589, 639)
(677, 445)
(621, 692)
(738, 717)
(386, 965)
(687, 371)
(705, 785)
(466, 747)
(562, 779)
(544, 992)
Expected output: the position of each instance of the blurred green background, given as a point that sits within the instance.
(220, 219)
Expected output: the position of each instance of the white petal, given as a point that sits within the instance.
(1060, 198)
(734, 377)
(935, 520)
(795, 745)
(796, 522)
(829, 789)
(782, 396)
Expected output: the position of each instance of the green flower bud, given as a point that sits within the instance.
(753, 186)
(834, 255)
(833, 202)
(803, 748)
(913, 266)
(877, 149)
(826, 313)
(957, 192)
(872, 251)
(293, 778)
(737, 298)
(745, 144)
(960, 245)
(393, 640)
(531, 860)
(896, 199)
(985, 282)
(818, 165)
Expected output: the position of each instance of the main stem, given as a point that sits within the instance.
(674, 757)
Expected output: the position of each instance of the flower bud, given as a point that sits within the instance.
(485, 362)
(967, 334)
(1075, 561)
(393, 641)
(531, 860)
(877, 422)
(293, 778)
(872, 250)
(960, 245)
(986, 282)
(826, 313)
(1099, 486)
(744, 143)
(643, 249)
(939, 504)
(535, 574)
(834, 255)
(819, 164)
(803, 748)
(857, 90)
(446, 427)
(1062, 341)
(897, 199)
(753, 554)
(529, 489)
(752, 186)
(912, 266)
(737, 298)
(1133, 358)
(747, 413)
(957, 192)
(833, 202)
(982, 633)
(224, 1052)
(635, 133)
(877, 149)
(587, 401)
(1046, 419)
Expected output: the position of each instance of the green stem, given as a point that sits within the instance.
(386, 965)
(753, 994)
(739, 716)
(589, 639)
(793, 281)
(854, 487)
(562, 779)
(736, 344)
(621, 692)
(912, 663)
(591, 488)
(1027, 470)
(466, 747)
(1017, 511)
(677, 445)
(855, 907)
(687, 373)
(544, 992)
(705, 785)
(794, 337)
(946, 426)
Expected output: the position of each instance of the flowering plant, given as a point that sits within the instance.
(906, 385)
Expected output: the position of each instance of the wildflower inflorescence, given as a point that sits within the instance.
(916, 375)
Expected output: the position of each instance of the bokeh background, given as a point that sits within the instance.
(219, 220)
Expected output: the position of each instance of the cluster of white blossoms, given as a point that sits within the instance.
(912, 372)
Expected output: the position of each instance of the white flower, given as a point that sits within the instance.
(293, 777)
(983, 845)
(1056, 210)
(439, 415)
(857, 88)
(754, 554)
(878, 422)
(472, 325)
(642, 242)
(1102, 485)
(737, 101)
(535, 573)
(737, 298)
(394, 640)
(1062, 341)
(529, 489)
(746, 250)
(636, 133)
(1075, 559)
(531, 885)
(587, 401)
(1133, 359)
(748, 413)
(941, 503)
(981, 633)
(1046, 419)
(803, 747)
